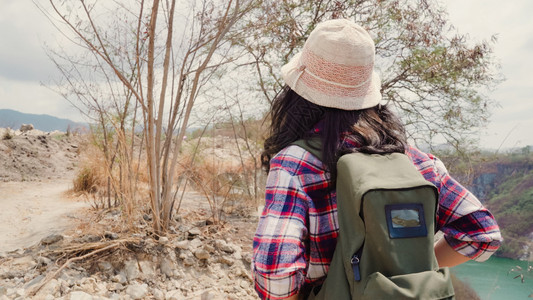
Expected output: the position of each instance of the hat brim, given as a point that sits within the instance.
(364, 97)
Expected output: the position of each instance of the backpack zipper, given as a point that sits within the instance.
(355, 266)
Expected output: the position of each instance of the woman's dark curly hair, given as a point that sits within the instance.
(374, 130)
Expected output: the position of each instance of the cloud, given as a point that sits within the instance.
(24, 64)
(24, 29)
(511, 123)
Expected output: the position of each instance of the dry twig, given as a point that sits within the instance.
(32, 292)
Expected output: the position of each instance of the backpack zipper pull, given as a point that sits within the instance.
(355, 267)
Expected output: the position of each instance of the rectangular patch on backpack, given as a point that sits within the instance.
(405, 220)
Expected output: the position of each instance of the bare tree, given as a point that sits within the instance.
(142, 66)
(433, 75)
(161, 54)
(87, 84)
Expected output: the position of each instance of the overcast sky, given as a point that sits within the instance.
(24, 65)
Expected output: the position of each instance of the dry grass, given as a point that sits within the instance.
(217, 168)
(112, 179)
(7, 135)
(222, 173)
(92, 174)
(85, 181)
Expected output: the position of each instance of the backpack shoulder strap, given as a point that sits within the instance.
(312, 145)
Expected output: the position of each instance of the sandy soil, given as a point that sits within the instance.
(36, 171)
(33, 210)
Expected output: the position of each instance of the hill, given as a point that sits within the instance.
(504, 183)
(13, 119)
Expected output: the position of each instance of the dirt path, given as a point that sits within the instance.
(30, 211)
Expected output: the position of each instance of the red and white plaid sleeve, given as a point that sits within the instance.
(279, 259)
(467, 225)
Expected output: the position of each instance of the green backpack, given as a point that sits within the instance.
(386, 212)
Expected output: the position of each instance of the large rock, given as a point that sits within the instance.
(71, 276)
(25, 262)
(167, 267)
(11, 274)
(201, 254)
(120, 278)
(101, 287)
(147, 268)
(43, 261)
(51, 288)
(64, 287)
(183, 245)
(158, 294)
(209, 248)
(105, 267)
(237, 254)
(115, 286)
(31, 283)
(223, 246)
(224, 259)
(131, 269)
(137, 291)
(189, 261)
(79, 295)
(51, 239)
(89, 285)
(19, 293)
(26, 127)
(195, 231)
(111, 235)
(113, 296)
(206, 296)
(89, 238)
(194, 244)
(247, 257)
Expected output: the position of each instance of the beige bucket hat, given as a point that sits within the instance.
(336, 67)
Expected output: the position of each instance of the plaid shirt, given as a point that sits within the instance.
(297, 231)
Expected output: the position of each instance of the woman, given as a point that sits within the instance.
(333, 93)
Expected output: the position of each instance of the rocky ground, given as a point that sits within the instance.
(95, 258)
(196, 261)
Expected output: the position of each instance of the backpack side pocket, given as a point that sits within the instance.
(423, 285)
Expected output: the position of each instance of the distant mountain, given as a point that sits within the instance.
(13, 119)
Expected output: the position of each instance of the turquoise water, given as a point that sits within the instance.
(491, 280)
